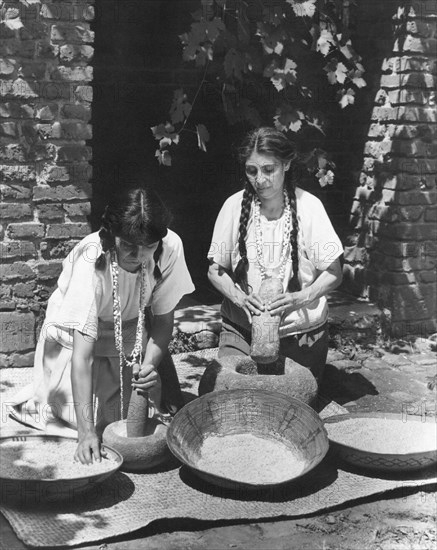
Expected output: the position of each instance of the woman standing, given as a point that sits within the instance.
(109, 322)
(273, 229)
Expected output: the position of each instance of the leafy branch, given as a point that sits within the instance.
(290, 63)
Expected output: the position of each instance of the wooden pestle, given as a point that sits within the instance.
(265, 327)
(137, 415)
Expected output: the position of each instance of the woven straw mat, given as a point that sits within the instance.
(128, 502)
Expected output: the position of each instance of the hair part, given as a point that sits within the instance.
(138, 215)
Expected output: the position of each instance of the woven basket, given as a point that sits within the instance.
(387, 462)
(266, 414)
(32, 491)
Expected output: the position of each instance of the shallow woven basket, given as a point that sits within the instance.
(266, 414)
(387, 462)
(32, 491)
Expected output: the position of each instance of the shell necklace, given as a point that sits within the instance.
(135, 356)
(259, 240)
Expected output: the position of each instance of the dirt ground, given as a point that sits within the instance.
(398, 377)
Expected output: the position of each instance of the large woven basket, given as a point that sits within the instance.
(32, 491)
(266, 414)
(357, 455)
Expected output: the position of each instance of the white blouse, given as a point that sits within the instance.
(318, 247)
(83, 296)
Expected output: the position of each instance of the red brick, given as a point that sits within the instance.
(25, 230)
(17, 332)
(83, 93)
(12, 109)
(71, 34)
(416, 197)
(13, 153)
(48, 270)
(52, 173)
(431, 214)
(21, 360)
(36, 71)
(5, 293)
(24, 290)
(47, 112)
(19, 174)
(68, 12)
(411, 213)
(18, 88)
(34, 30)
(15, 211)
(7, 66)
(402, 97)
(72, 110)
(412, 114)
(16, 270)
(67, 231)
(8, 129)
(47, 51)
(74, 153)
(428, 276)
(50, 212)
(14, 193)
(15, 47)
(415, 45)
(71, 52)
(80, 210)
(72, 74)
(16, 250)
(60, 193)
(417, 80)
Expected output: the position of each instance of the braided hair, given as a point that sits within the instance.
(138, 215)
(271, 142)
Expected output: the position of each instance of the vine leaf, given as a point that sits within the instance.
(357, 79)
(11, 19)
(163, 157)
(180, 107)
(325, 177)
(273, 15)
(303, 9)
(325, 41)
(347, 97)
(286, 76)
(202, 136)
(165, 131)
(288, 118)
(336, 71)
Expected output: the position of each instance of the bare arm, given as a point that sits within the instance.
(82, 384)
(325, 282)
(222, 281)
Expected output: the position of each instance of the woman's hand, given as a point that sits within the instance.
(251, 304)
(88, 448)
(287, 302)
(145, 379)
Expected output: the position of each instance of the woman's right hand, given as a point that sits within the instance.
(251, 304)
(88, 448)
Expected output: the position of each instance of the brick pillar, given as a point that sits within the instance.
(45, 109)
(393, 255)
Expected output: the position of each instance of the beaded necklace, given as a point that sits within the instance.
(135, 356)
(259, 239)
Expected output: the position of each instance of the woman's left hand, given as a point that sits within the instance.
(287, 302)
(145, 378)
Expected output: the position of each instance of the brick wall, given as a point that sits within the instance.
(45, 111)
(391, 255)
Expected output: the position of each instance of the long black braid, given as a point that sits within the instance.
(293, 283)
(240, 274)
